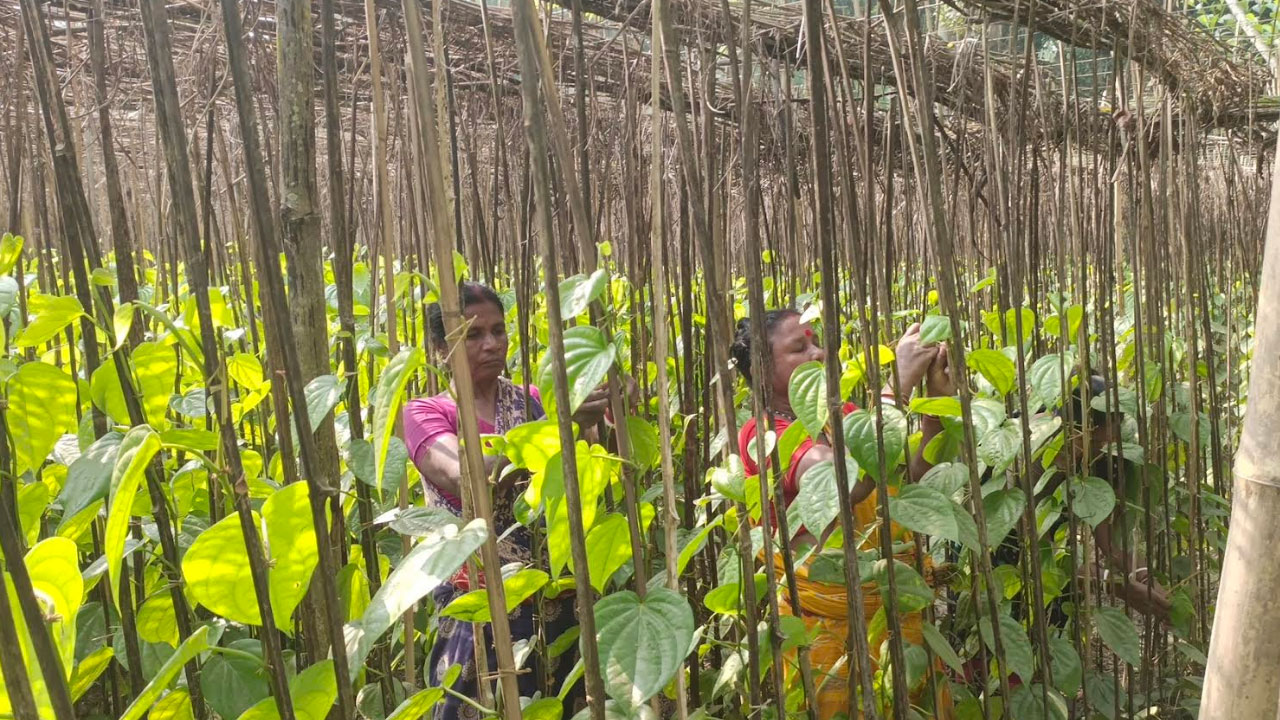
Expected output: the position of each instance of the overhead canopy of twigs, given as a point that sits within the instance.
(1208, 80)
(1219, 90)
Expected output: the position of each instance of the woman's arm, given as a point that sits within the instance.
(441, 465)
(1131, 585)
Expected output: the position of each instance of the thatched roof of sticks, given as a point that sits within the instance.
(1222, 92)
(1202, 72)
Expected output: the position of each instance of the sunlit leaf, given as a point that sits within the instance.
(996, 367)
(137, 448)
(51, 314)
(292, 549)
(313, 692)
(473, 607)
(387, 399)
(41, 407)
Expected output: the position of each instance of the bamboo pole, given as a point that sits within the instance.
(473, 465)
(1244, 638)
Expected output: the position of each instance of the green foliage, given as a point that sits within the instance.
(642, 643)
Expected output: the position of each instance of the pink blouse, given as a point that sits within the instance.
(426, 419)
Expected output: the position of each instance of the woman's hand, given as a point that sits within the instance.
(914, 360)
(592, 409)
(938, 382)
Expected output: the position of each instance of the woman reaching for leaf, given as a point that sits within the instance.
(431, 433)
(791, 344)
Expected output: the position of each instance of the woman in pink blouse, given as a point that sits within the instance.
(431, 434)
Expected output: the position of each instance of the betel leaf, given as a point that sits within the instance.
(608, 548)
(418, 705)
(1013, 637)
(89, 477)
(106, 392)
(8, 295)
(386, 403)
(89, 670)
(1027, 703)
(1118, 633)
(55, 578)
(197, 643)
(925, 510)
(292, 551)
(935, 329)
(1067, 670)
(41, 407)
(174, 706)
(1092, 499)
(530, 445)
(940, 647)
(1003, 510)
(323, 394)
(156, 621)
(818, 500)
(947, 478)
(544, 709)
(137, 448)
(428, 564)
(155, 368)
(33, 500)
(51, 314)
(10, 252)
(808, 393)
(1045, 377)
(862, 435)
(642, 643)
(313, 692)
(233, 683)
(645, 450)
(1000, 446)
(912, 591)
(937, 406)
(996, 367)
(588, 355)
(988, 414)
(216, 568)
(596, 471)
(577, 292)
(473, 607)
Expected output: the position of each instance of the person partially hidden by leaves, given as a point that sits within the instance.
(805, 456)
(1103, 489)
(1082, 472)
(431, 433)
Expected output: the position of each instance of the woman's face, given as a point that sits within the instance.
(794, 344)
(486, 341)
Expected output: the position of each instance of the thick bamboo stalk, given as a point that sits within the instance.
(1245, 638)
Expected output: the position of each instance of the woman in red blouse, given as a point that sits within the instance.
(824, 605)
